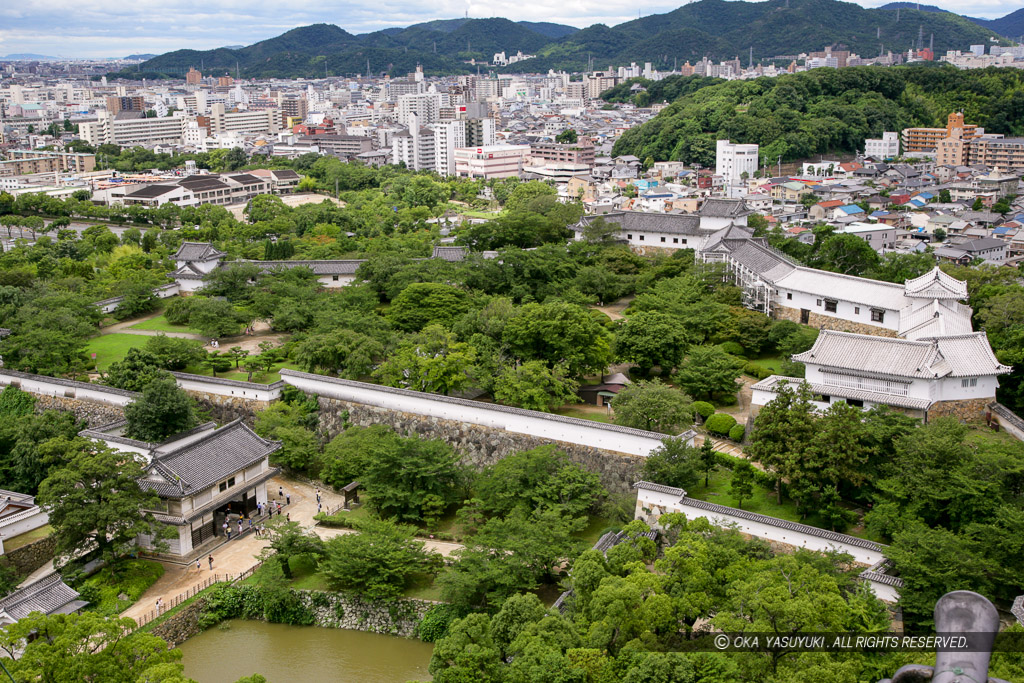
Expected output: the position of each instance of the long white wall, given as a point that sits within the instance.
(50, 386)
(655, 500)
(515, 420)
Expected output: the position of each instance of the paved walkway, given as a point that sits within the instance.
(235, 556)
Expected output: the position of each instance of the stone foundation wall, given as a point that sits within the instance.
(181, 625)
(652, 250)
(968, 409)
(828, 322)
(228, 408)
(95, 414)
(479, 446)
(338, 610)
(28, 558)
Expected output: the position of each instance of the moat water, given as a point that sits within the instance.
(302, 654)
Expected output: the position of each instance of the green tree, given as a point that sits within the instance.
(783, 429)
(650, 338)
(288, 540)
(214, 318)
(709, 371)
(135, 371)
(138, 299)
(344, 352)
(559, 333)
(95, 500)
(525, 193)
(427, 303)
(162, 410)
(175, 353)
(377, 562)
(567, 136)
(674, 463)
(403, 474)
(432, 361)
(535, 386)
(653, 406)
(87, 647)
(707, 460)
(742, 483)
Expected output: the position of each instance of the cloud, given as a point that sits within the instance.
(91, 28)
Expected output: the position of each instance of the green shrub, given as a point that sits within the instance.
(733, 348)
(727, 400)
(761, 478)
(757, 371)
(737, 432)
(436, 621)
(704, 409)
(720, 424)
(131, 577)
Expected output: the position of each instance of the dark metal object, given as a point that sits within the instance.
(958, 612)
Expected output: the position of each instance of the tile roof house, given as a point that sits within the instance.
(204, 477)
(49, 595)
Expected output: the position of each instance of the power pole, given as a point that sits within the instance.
(780, 165)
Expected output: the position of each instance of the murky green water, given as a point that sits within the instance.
(303, 654)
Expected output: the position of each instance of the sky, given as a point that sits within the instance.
(101, 28)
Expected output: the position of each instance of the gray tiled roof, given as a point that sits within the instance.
(69, 383)
(203, 463)
(348, 267)
(935, 284)
(49, 595)
(773, 383)
(879, 573)
(759, 258)
(724, 208)
(255, 386)
(660, 488)
(705, 506)
(960, 356)
(197, 251)
(636, 221)
(449, 253)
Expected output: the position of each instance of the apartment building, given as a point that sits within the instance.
(998, 153)
(927, 139)
(733, 160)
(222, 121)
(28, 161)
(117, 104)
(426, 106)
(339, 145)
(108, 130)
(578, 153)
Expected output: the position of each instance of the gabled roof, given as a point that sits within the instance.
(859, 290)
(960, 356)
(636, 221)
(937, 318)
(197, 251)
(203, 463)
(724, 208)
(49, 595)
(449, 253)
(936, 284)
(330, 267)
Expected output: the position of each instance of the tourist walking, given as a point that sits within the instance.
(287, 499)
(159, 606)
(280, 492)
(199, 565)
(228, 530)
(239, 526)
(318, 495)
(210, 558)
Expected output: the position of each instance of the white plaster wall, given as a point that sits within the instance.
(23, 522)
(845, 309)
(39, 385)
(532, 423)
(252, 392)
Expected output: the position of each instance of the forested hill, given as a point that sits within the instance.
(717, 29)
(825, 111)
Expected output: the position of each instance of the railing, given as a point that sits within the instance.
(194, 591)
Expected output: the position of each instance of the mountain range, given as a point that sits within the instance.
(717, 29)
(1011, 26)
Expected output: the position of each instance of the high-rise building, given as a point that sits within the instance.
(733, 160)
(294, 107)
(480, 132)
(426, 106)
(193, 77)
(117, 104)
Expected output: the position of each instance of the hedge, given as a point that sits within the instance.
(733, 348)
(761, 478)
(757, 371)
(720, 423)
(345, 522)
(737, 432)
(704, 409)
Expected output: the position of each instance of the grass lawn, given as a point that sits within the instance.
(596, 527)
(773, 363)
(28, 537)
(422, 587)
(160, 324)
(980, 434)
(131, 577)
(595, 415)
(110, 348)
(473, 213)
(243, 376)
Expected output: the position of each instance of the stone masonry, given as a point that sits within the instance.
(479, 446)
(828, 322)
(28, 558)
(181, 625)
(968, 409)
(226, 409)
(95, 414)
(341, 610)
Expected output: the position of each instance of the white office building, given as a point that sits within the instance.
(733, 160)
(886, 147)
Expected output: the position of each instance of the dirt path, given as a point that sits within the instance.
(445, 548)
(233, 557)
(614, 310)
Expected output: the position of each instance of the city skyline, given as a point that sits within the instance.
(84, 29)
